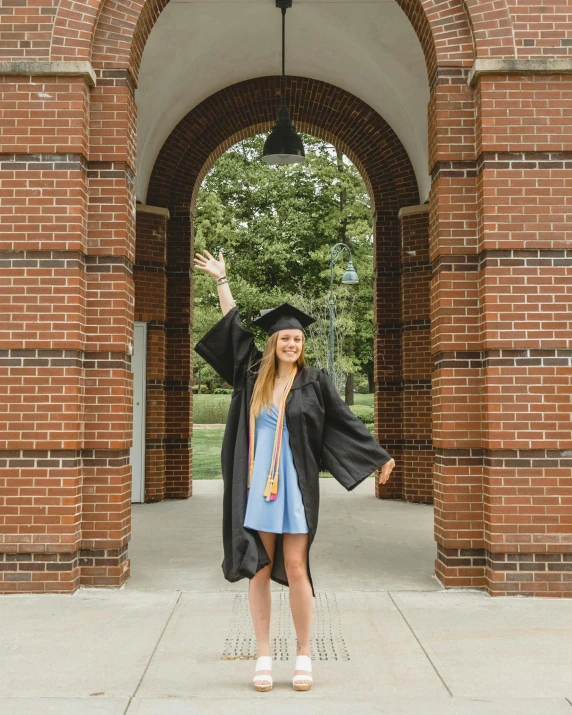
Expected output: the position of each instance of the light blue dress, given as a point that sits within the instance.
(286, 513)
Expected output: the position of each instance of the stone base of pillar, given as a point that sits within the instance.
(39, 573)
(506, 574)
(104, 567)
(460, 568)
(63, 572)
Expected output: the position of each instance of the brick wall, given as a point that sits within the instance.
(74, 279)
(418, 453)
(501, 342)
(151, 308)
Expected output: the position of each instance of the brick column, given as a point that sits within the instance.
(418, 455)
(387, 349)
(151, 308)
(179, 394)
(43, 179)
(106, 517)
(525, 272)
(455, 334)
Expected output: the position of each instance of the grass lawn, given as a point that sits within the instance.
(207, 443)
(360, 399)
(210, 409)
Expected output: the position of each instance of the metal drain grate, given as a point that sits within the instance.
(326, 639)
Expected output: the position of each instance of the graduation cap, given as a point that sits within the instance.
(281, 318)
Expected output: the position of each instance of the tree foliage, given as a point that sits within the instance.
(275, 226)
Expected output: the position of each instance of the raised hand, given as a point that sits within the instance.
(210, 264)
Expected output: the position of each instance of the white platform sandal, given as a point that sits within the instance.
(263, 681)
(303, 662)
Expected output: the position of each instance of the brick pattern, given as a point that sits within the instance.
(522, 574)
(388, 398)
(450, 33)
(417, 455)
(179, 363)
(74, 24)
(39, 572)
(103, 567)
(44, 202)
(62, 572)
(500, 161)
(151, 308)
(40, 498)
(123, 28)
(541, 30)
(44, 115)
(242, 109)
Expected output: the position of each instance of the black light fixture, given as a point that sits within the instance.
(283, 145)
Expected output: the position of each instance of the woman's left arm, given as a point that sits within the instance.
(349, 452)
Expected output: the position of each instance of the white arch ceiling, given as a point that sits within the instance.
(366, 47)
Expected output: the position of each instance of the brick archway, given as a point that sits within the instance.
(499, 158)
(401, 304)
(114, 34)
(316, 107)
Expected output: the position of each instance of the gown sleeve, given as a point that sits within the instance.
(349, 451)
(229, 348)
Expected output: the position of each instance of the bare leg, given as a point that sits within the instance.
(295, 561)
(259, 599)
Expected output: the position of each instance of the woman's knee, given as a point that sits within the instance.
(296, 569)
(263, 575)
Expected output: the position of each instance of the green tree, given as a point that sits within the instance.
(275, 226)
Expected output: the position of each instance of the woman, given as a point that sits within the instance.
(286, 421)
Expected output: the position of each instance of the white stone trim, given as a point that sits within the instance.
(157, 210)
(411, 210)
(57, 69)
(536, 66)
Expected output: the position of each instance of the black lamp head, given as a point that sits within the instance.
(283, 145)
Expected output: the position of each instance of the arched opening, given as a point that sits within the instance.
(400, 255)
(171, 167)
(474, 64)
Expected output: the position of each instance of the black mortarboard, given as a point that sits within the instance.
(283, 317)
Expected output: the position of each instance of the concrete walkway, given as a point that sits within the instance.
(386, 638)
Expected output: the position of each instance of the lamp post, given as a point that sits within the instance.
(350, 277)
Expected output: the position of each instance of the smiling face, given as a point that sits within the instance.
(289, 344)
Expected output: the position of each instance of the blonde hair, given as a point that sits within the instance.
(264, 385)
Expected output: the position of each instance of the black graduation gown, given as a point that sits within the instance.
(324, 434)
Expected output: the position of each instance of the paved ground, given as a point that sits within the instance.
(386, 639)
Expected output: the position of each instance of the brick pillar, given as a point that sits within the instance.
(387, 352)
(151, 308)
(418, 455)
(106, 516)
(525, 272)
(455, 332)
(43, 180)
(179, 395)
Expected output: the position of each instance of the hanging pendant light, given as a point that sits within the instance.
(283, 145)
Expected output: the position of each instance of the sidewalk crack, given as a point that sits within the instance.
(132, 697)
(421, 645)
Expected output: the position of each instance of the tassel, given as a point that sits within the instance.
(271, 489)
